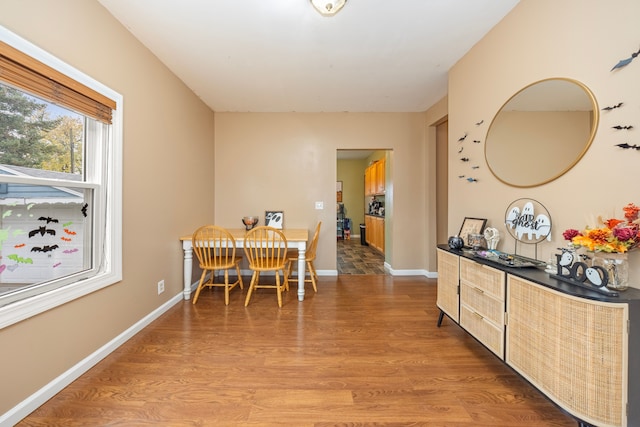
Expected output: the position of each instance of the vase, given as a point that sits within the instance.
(617, 267)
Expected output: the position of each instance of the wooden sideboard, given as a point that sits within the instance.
(576, 346)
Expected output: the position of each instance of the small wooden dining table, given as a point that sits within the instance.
(296, 239)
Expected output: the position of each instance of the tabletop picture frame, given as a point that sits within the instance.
(471, 226)
(274, 219)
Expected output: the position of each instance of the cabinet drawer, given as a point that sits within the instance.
(485, 278)
(480, 302)
(483, 330)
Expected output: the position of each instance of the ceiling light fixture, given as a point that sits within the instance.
(328, 7)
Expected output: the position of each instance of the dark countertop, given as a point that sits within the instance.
(543, 278)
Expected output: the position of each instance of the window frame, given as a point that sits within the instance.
(111, 271)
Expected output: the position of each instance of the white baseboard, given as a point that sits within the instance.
(30, 404)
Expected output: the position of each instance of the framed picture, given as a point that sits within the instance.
(274, 219)
(338, 196)
(471, 226)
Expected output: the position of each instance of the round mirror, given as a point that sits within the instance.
(541, 132)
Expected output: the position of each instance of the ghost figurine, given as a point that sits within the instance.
(594, 276)
(566, 260)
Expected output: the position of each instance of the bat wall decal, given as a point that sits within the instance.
(618, 127)
(84, 209)
(613, 107)
(462, 138)
(20, 259)
(48, 219)
(42, 231)
(628, 146)
(46, 248)
(626, 61)
(480, 122)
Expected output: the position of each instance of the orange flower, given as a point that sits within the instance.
(611, 223)
(631, 212)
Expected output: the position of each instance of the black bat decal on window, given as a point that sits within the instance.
(48, 219)
(84, 209)
(42, 231)
(46, 248)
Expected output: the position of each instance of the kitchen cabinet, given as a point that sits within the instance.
(374, 178)
(379, 177)
(571, 343)
(375, 231)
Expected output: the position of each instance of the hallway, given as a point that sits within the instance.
(354, 258)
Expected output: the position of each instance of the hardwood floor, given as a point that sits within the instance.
(364, 350)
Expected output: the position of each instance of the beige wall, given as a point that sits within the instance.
(287, 161)
(351, 173)
(168, 176)
(539, 39)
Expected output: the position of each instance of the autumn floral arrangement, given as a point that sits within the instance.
(613, 236)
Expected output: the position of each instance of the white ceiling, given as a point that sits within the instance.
(282, 55)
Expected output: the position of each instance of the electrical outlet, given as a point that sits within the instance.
(319, 205)
(160, 287)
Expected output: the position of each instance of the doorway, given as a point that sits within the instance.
(442, 182)
(353, 254)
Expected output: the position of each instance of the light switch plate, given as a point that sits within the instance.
(319, 205)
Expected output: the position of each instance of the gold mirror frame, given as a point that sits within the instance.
(559, 112)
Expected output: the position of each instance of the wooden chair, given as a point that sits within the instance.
(310, 256)
(215, 249)
(266, 250)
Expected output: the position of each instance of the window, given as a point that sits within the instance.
(60, 182)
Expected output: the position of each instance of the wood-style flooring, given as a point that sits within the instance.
(363, 351)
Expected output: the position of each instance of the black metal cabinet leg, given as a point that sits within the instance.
(440, 317)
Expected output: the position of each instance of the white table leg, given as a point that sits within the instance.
(187, 270)
(301, 266)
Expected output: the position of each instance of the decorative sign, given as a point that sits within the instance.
(528, 221)
(578, 273)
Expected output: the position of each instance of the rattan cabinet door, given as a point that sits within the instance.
(573, 349)
(482, 304)
(448, 283)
